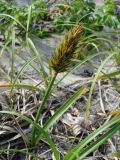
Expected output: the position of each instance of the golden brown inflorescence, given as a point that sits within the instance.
(67, 50)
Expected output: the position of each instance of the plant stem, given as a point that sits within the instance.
(31, 44)
(13, 52)
(41, 106)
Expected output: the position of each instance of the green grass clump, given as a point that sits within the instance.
(63, 60)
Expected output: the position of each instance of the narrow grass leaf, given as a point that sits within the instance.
(109, 75)
(30, 121)
(13, 52)
(117, 112)
(72, 154)
(11, 17)
(32, 46)
(21, 71)
(99, 141)
(79, 63)
(61, 111)
(41, 106)
(29, 17)
(31, 65)
(93, 84)
(28, 20)
(4, 47)
(26, 86)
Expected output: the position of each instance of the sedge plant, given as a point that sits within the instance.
(66, 51)
(61, 61)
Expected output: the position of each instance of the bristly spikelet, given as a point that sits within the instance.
(66, 51)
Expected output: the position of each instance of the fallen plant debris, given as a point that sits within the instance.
(70, 128)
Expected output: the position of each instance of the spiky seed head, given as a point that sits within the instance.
(66, 51)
